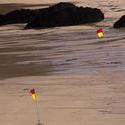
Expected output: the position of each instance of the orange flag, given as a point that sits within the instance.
(33, 94)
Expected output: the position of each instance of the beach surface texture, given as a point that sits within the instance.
(79, 78)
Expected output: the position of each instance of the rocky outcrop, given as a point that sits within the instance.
(17, 16)
(61, 14)
(120, 23)
(1, 19)
(65, 14)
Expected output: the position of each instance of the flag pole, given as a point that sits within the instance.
(36, 105)
(37, 112)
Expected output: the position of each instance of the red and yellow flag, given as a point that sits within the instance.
(33, 94)
(100, 33)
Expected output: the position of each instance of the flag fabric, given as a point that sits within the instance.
(33, 94)
(100, 33)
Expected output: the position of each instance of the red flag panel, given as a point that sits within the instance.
(32, 91)
(100, 30)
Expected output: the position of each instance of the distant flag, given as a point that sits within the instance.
(100, 33)
(32, 91)
(33, 94)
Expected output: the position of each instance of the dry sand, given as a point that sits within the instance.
(64, 100)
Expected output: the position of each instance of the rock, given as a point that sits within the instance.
(16, 16)
(61, 14)
(1, 18)
(120, 23)
(64, 14)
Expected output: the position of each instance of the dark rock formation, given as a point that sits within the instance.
(1, 19)
(61, 14)
(65, 14)
(120, 23)
(17, 16)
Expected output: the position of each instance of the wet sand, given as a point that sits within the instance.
(79, 78)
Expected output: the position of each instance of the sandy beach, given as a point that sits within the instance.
(73, 99)
(79, 78)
